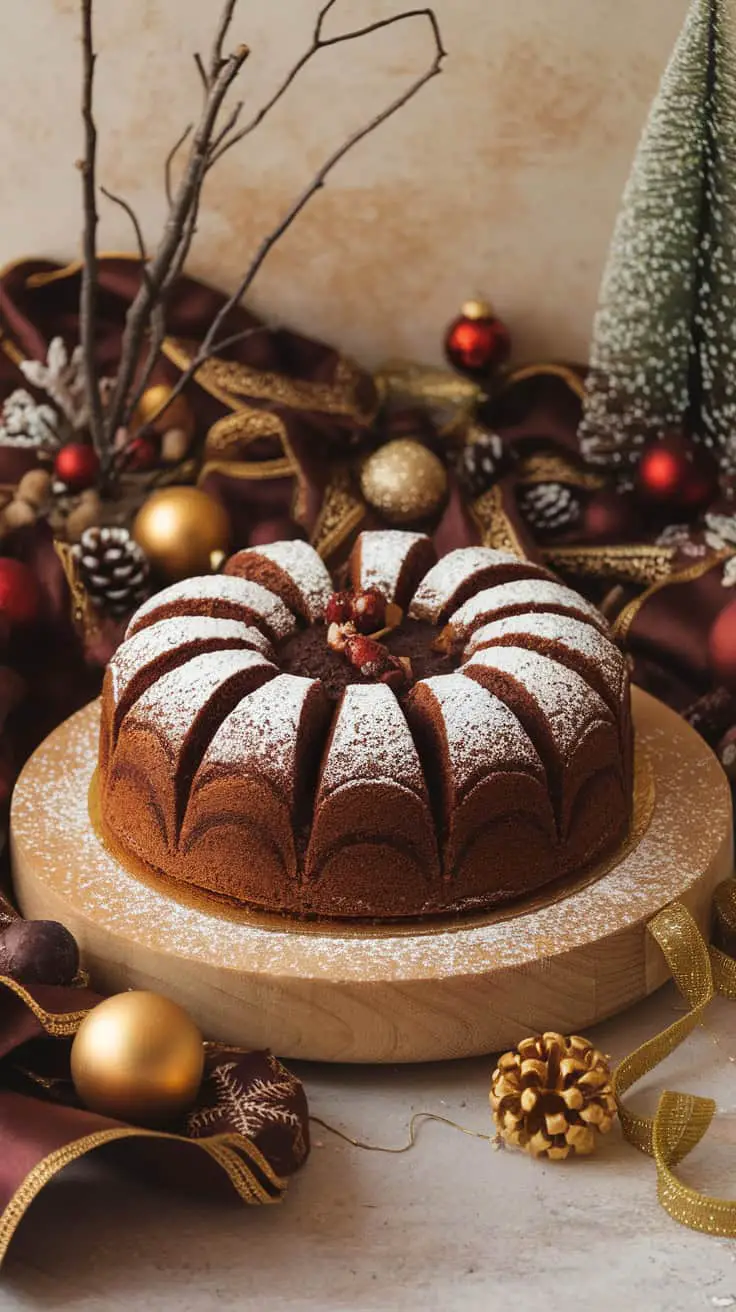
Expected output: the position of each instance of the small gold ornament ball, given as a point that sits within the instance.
(138, 1057)
(182, 531)
(150, 410)
(404, 481)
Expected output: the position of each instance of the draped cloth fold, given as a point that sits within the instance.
(248, 1132)
(681, 1120)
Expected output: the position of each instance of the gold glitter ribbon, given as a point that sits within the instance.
(681, 1120)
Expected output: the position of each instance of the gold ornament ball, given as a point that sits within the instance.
(138, 1057)
(150, 410)
(404, 481)
(181, 531)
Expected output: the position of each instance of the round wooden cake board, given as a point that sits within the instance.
(563, 961)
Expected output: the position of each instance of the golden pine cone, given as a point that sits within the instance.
(552, 1096)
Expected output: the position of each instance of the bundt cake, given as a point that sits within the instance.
(438, 736)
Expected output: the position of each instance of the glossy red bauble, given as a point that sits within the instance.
(143, 452)
(20, 594)
(678, 476)
(722, 648)
(78, 465)
(477, 342)
(611, 516)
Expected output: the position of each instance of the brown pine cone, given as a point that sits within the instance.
(552, 1095)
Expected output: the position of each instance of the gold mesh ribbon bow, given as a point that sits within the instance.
(682, 1119)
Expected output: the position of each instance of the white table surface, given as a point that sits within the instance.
(453, 1224)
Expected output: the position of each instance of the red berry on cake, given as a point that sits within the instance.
(339, 608)
(369, 611)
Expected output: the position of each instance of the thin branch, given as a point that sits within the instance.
(323, 43)
(222, 134)
(124, 205)
(158, 335)
(202, 72)
(226, 19)
(210, 343)
(88, 296)
(178, 230)
(170, 160)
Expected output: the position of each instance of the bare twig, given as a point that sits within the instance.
(179, 230)
(170, 160)
(226, 18)
(323, 43)
(128, 208)
(202, 72)
(88, 296)
(210, 344)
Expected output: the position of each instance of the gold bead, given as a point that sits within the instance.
(404, 481)
(138, 1057)
(152, 409)
(180, 528)
(476, 309)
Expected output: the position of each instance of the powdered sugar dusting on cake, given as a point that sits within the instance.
(382, 557)
(371, 740)
(443, 580)
(534, 593)
(306, 569)
(179, 631)
(219, 587)
(261, 733)
(568, 703)
(572, 633)
(483, 735)
(174, 701)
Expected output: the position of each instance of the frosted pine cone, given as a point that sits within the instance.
(552, 1096)
(113, 569)
(549, 507)
(479, 462)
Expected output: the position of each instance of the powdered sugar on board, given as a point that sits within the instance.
(371, 740)
(218, 587)
(172, 704)
(383, 553)
(483, 736)
(51, 829)
(443, 580)
(534, 593)
(305, 568)
(567, 702)
(177, 632)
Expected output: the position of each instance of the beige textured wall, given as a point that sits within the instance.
(502, 177)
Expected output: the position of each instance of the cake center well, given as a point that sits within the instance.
(308, 654)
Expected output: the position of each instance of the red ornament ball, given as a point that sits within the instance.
(77, 465)
(477, 342)
(20, 594)
(143, 452)
(722, 648)
(677, 475)
(611, 516)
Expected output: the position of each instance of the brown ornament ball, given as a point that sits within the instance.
(182, 531)
(38, 952)
(138, 1057)
(153, 409)
(722, 648)
(35, 488)
(404, 481)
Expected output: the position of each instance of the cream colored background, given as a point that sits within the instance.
(503, 176)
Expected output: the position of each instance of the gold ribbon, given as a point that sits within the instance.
(681, 1120)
